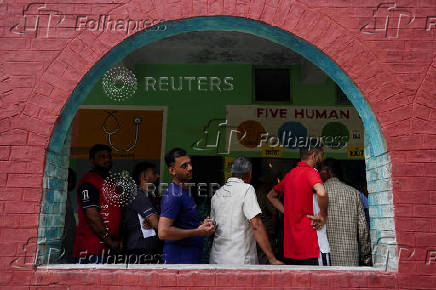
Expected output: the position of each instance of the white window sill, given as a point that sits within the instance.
(203, 267)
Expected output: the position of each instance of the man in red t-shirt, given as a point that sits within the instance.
(97, 232)
(300, 225)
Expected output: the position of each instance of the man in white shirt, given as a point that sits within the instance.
(237, 220)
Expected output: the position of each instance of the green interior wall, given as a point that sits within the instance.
(319, 94)
(189, 111)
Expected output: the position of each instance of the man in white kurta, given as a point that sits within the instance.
(237, 222)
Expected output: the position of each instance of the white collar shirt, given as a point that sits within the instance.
(323, 242)
(232, 208)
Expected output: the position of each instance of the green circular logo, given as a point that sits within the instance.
(335, 135)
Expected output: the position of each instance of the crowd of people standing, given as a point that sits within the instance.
(323, 219)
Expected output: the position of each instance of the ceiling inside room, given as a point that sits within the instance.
(222, 47)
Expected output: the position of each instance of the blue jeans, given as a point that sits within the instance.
(177, 254)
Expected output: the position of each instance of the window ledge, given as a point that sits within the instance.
(203, 267)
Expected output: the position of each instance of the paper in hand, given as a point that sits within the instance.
(145, 233)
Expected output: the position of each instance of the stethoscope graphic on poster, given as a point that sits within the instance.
(136, 120)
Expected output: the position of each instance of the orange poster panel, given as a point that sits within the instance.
(132, 134)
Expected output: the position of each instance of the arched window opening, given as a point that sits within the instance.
(195, 86)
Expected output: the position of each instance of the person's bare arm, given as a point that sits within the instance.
(96, 223)
(323, 199)
(273, 197)
(153, 220)
(262, 239)
(167, 231)
(319, 220)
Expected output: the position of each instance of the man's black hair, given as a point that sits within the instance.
(333, 165)
(98, 147)
(313, 145)
(171, 156)
(139, 168)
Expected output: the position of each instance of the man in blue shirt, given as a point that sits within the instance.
(179, 225)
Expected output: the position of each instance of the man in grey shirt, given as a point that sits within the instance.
(237, 220)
